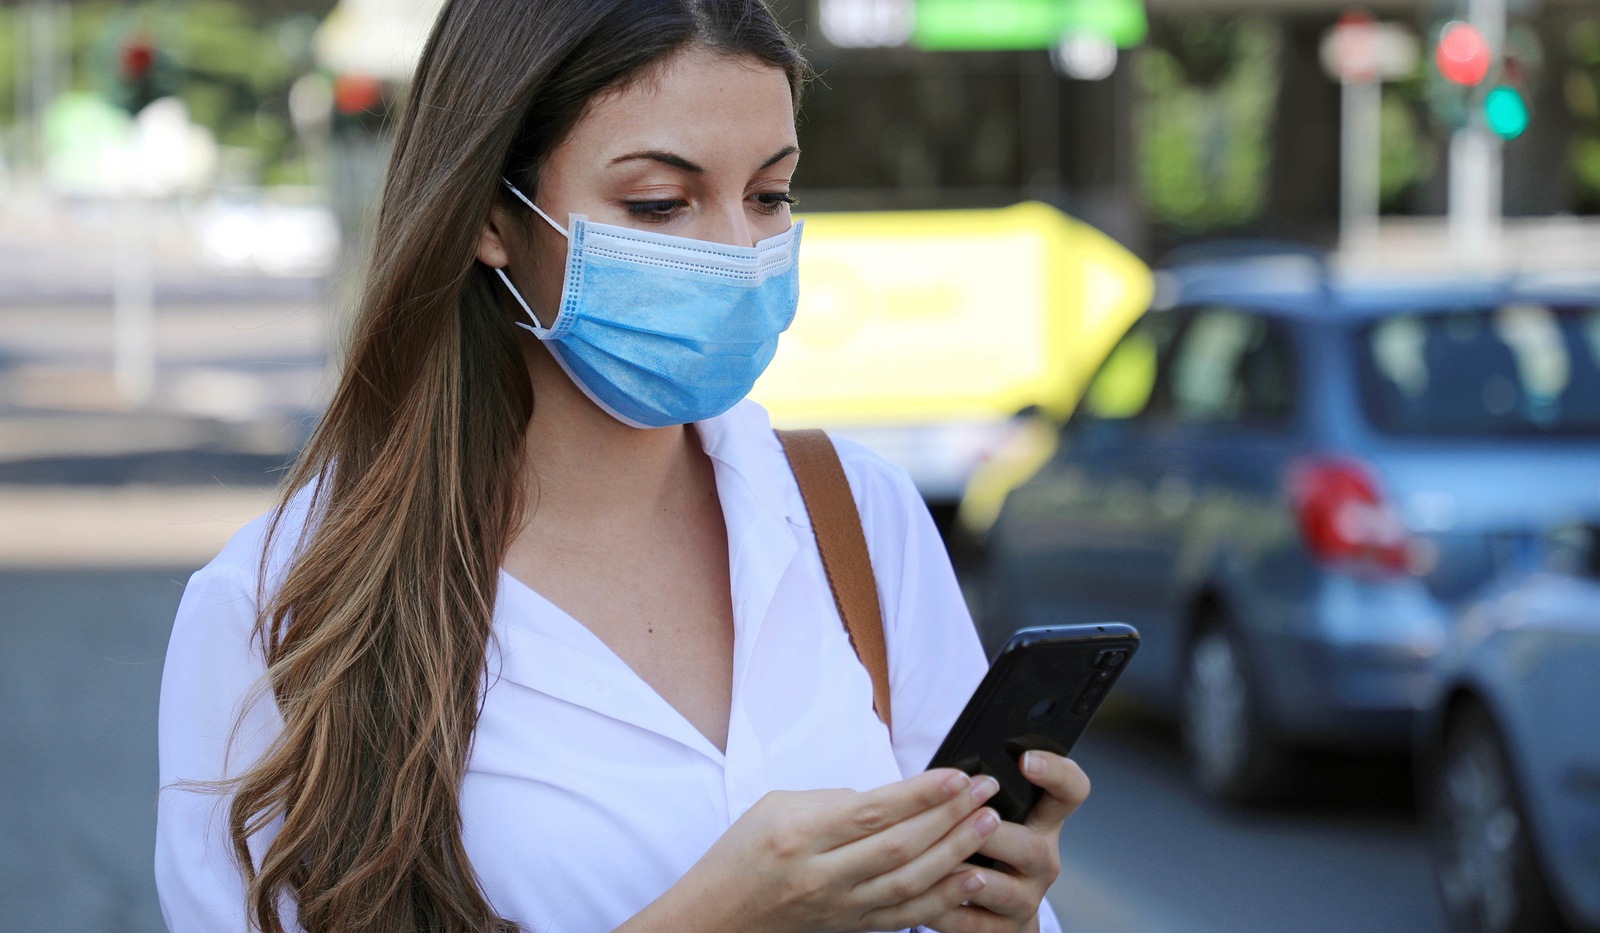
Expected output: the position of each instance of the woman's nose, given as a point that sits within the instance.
(729, 225)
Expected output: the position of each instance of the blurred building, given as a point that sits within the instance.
(1224, 120)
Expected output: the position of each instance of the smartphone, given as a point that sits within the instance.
(1040, 693)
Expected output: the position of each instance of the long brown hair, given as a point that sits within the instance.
(376, 638)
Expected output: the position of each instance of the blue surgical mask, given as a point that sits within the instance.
(662, 330)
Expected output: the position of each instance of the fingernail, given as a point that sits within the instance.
(988, 822)
(954, 783)
(1033, 763)
(975, 882)
(984, 788)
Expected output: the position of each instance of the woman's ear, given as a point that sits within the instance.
(493, 246)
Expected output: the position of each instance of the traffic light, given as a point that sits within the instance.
(1505, 112)
(1506, 108)
(1460, 60)
(1462, 55)
(1470, 77)
(136, 68)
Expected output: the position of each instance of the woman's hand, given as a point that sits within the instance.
(1029, 853)
(839, 860)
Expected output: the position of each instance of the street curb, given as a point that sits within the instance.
(46, 527)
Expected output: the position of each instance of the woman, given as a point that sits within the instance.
(542, 640)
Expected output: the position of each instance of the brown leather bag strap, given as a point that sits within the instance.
(843, 546)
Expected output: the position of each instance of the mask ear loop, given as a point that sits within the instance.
(524, 199)
(537, 329)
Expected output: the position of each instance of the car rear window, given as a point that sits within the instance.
(1522, 369)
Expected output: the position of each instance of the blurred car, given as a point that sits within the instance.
(1285, 481)
(1510, 752)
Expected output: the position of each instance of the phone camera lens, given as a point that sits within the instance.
(1041, 709)
(1089, 697)
(1111, 659)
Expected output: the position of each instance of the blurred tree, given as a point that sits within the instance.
(1581, 86)
(1405, 156)
(231, 63)
(12, 60)
(933, 129)
(1304, 139)
(1208, 87)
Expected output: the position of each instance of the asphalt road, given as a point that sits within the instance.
(80, 670)
(1346, 854)
(80, 664)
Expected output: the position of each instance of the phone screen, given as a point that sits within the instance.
(1040, 693)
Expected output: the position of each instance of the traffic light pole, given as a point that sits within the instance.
(1475, 183)
(1476, 174)
(1360, 104)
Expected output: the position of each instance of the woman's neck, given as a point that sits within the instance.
(585, 468)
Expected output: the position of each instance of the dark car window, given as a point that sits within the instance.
(1125, 382)
(1518, 369)
(1230, 367)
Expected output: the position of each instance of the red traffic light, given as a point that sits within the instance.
(354, 93)
(136, 59)
(1462, 55)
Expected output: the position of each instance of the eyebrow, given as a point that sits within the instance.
(679, 162)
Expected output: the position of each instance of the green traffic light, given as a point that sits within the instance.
(1505, 112)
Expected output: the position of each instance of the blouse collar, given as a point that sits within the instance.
(543, 648)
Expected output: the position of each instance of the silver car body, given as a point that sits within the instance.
(1528, 652)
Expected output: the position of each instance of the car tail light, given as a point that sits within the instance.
(1343, 518)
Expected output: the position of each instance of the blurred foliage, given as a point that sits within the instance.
(231, 63)
(1205, 120)
(10, 52)
(1406, 155)
(235, 72)
(13, 59)
(1582, 91)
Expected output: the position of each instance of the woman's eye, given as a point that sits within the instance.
(771, 202)
(655, 211)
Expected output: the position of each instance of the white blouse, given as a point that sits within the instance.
(587, 795)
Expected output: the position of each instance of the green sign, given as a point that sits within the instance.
(977, 25)
(1121, 21)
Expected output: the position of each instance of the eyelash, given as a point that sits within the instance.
(655, 211)
(662, 211)
(779, 199)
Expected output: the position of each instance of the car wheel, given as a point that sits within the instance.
(1485, 869)
(1230, 756)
